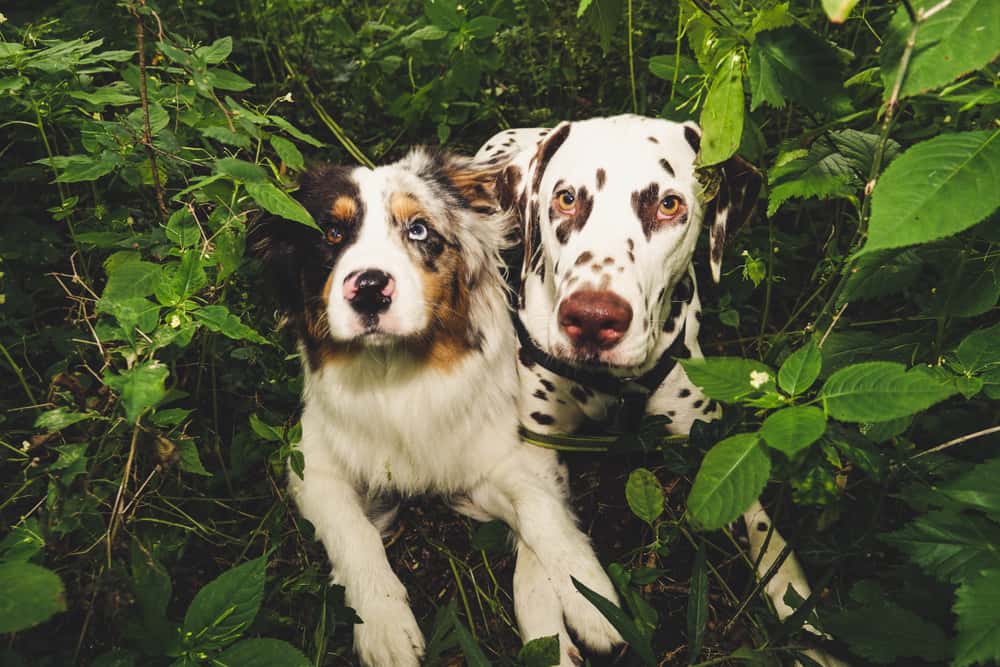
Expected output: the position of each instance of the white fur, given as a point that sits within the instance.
(383, 421)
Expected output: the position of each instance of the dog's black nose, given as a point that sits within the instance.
(369, 292)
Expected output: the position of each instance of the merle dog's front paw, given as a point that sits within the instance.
(389, 635)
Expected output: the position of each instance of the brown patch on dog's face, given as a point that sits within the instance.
(344, 207)
(404, 207)
(572, 222)
(447, 298)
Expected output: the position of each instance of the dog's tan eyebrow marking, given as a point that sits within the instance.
(344, 207)
(404, 206)
(666, 166)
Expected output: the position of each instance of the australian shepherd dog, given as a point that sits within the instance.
(399, 307)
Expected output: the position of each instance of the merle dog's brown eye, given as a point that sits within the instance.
(334, 235)
(565, 201)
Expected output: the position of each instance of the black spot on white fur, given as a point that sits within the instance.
(543, 418)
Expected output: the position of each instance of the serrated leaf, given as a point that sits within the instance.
(732, 475)
(800, 369)
(936, 188)
(190, 461)
(697, 609)
(288, 153)
(22, 543)
(60, 418)
(949, 546)
(114, 95)
(226, 136)
(218, 318)
(882, 273)
(959, 38)
(182, 229)
(977, 488)
(141, 387)
(540, 652)
(878, 391)
(296, 132)
(241, 170)
(794, 63)
(225, 607)
(31, 595)
(273, 200)
(261, 653)
(722, 115)
(216, 52)
(644, 495)
(977, 606)
(225, 80)
(838, 10)
(884, 632)
(793, 429)
(638, 641)
(980, 350)
(729, 378)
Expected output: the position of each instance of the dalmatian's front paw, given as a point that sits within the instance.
(389, 635)
(589, 625)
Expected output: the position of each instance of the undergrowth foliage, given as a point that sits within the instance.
(149, 411)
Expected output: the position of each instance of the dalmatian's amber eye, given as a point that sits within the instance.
(670, 206)
(565, 201)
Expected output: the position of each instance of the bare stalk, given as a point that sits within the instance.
(147, 134)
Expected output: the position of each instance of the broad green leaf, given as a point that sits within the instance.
(225, 607)
(158, 119)
(483, 27)
(882, 273)
(273, 200)
(72, 462)
(141, 387)
(722, 115)
(793, 429)
(266, 431)
(189, 459)
(878, 391)
(540, 652)
(183, 280)
(132, 313)
(838, 10)
(977, 606)
(949, 546)
(429, 33)
(979, 488)
(800, 369)
(115, 95)
(182, 228)
(980, 350)
(796, 64)
(226, 80)
(81, 168)
(288, 153)
(959, 38)
(296, 132)
(261, 653)
(216, 52)
(884, 632)
(225, 135)
(697, 609)
(150, 583)
(936, 188)
(732, 475)
(218, 318)
(729, 378)
(629, 631)
(22, 542)
(604, 16)
(443, 13)
(60, 418)
(241, 170)
(582, 7)
(644, 495)
(31, 595)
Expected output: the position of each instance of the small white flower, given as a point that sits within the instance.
(759, 378)
(287, 98)
(3, 18)
(175, 321)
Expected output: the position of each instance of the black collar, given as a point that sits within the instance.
(633, 392)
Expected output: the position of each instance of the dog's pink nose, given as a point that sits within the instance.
(369, 291)
(595, 318)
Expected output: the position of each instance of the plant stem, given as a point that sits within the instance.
(957, 441)
(631, 60)
(18, 372)
(147, 134)
(116, 507)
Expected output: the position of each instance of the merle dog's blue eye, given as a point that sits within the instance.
(417, 231)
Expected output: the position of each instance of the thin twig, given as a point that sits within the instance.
(631, 60)
(117, 507)
(832, 324)
(957, 441)
(147, 133)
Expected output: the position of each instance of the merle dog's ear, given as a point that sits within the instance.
(733, 188)
(475, 181)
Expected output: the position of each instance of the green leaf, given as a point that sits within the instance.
(540, 652)
(60, 418)
(443, 13)
(241, 170)
(72, 461)
(182, 228)
(474, 656)
(218, 318)
(183, 280)
(732, 475)
(429, 33)
(582, 7)
(151, 584)
(261, 653)
(884, 632)
(629, 631)
(877, 391)
(266, 431)
(729, 378)
(226, 80)
(216, 52)
(225, 135)
(273, 200)
(113, 94)
(977, 606)
(800, 369)
(882, 273)
(838, 10)
(141, 387)
(288, 153)
(31, 595)
(959, 38)
(189, 459)
(794, 63)
(483, 27)
(980, 350)
(644, 495)
(977, 488)
(793, 429)
(936, 188)
(129, 276)
(225, 607)
(296, 132)
(697, 609)
(949, 546)
(493, 537)
(722, 115)
(82, 168)
(22, 543)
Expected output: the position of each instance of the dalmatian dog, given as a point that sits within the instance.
(611, 210)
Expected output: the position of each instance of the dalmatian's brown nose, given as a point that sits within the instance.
(594, 318)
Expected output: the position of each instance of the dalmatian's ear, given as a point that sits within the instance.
(736, 184)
